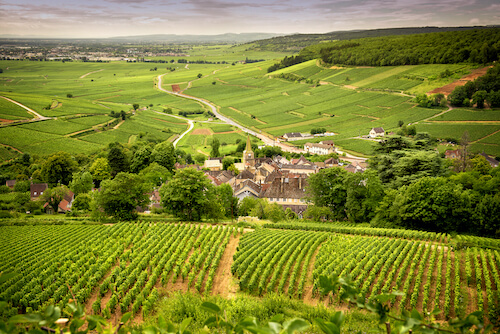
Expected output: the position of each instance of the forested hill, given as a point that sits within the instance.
(297, 42)
(472, 46)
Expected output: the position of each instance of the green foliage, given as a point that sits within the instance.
(274, 212)
(82, 202)
(81, 183)
(120, 197)
(100, 170)
(58, 168)
(117, 159)
(327, 189)
(163, 154)
(412, 49)
(215, 147)
(189, 195)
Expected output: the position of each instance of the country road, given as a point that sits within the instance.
(31, 111)
(265, 139)
(268, 141)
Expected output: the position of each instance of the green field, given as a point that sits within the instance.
(348, 101)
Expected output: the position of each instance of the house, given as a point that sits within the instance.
(327, 142)
(493, 162)
(37, 189)
(247, 188)
(320, 149)
(279, 160)
(300, 169)
(64, 206)
(331, 162)
(377, 132)
(453, 154)
(301, 161)
(292, 136)
(287, 192)
(10, 183)
(213, 164)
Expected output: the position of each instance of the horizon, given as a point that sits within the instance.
(117, 18)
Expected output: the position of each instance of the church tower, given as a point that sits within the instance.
(248, 155)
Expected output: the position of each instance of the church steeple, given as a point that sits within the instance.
(248, 155)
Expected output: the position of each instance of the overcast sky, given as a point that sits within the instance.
(107, 18)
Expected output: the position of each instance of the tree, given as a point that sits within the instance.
(188, 195)
(229, 203)
(199, 75)
(226, 162)
(141, 159)
(81, 183)
(82, 202)
(54, 196)
(117, 159)
(155, 174)
(59, 168)
(100, 171)
(215, 148)
(274, 212)
(135, 106)
(364, 193)
(435, 204)
(457, 96)
(327, 189)
(478, 98)
(247, 205)
(120, 197)
(317, 213)
(164, 154)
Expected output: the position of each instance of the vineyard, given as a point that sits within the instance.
(430, 274)
(119, 268)
(127, 267)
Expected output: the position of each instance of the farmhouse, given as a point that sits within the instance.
(452, 154)
(320, 149)
(10, 183)
(291, 136)
(493, 162)
(37, 189)
(377, 132)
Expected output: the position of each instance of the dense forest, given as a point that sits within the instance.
(473, 46)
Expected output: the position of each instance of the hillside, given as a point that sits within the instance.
(294, 43)
(129, 267)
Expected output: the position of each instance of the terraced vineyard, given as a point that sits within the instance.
(117, 268)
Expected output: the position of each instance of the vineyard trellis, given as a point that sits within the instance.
(129, 261)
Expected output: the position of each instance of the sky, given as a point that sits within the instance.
(109, 18)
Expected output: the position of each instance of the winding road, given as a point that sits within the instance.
(265, 139)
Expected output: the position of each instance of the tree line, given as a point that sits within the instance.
(409, 185)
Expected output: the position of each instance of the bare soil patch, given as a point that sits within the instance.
(350, 87)
(308, 287)
(206, 132)
(447, 89)
(223, 280)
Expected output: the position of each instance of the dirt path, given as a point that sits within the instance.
(491, 134)
(441, 113)
(308, 287)
(447, 89)
(31, 111)
(83, 76)
(223, 281)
